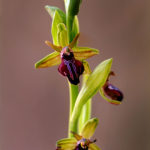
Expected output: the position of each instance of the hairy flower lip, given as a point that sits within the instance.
(111, 93)
(70, 67)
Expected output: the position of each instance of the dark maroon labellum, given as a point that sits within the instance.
(82, 144)
(79, 147)
(113, 92)
(69, 66)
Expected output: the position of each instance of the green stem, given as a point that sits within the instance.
(69, 22)
(86, 110)
(73, 90)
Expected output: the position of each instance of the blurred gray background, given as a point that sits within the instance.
(34, 103)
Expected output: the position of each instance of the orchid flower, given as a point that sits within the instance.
(69, 57)
(111, 93)
(82, 141)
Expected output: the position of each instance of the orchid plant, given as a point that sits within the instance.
(72, 64)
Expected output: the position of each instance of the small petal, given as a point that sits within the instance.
(77, 136)
(93, 146)
(66, 144)
(56, 48)
(89, 128)
(73, 43)
(82, 53)
(48, 61)
(87, 69)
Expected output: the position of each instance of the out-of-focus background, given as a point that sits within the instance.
(34, 103)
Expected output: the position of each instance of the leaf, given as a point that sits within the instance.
(82, 53)
(51, 10)
(107, 99)
(57, 19)
(62, 35)
(89, 128)
(66, 144)
(48, 61)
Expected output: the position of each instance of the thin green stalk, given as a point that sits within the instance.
(73, 90)
(85, 115)
(86, 110)
(69, 22)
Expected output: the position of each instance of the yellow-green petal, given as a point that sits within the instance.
(87, 69)
(89, 128)
(54, 47)
(49, 60)
(82, 53)
(66, 144)
(74, 41)
(93, 146)
(107, 99)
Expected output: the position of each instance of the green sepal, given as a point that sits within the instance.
(57, 19)
(62, 35)
(82, 53)
(93, 146)
(51, 10)
(89, 128)
(49, 60)
(66, 144)
(101, 91)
